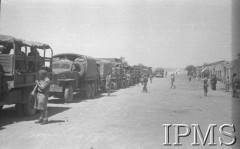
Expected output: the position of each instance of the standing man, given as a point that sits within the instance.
(151, 77)
(108, 83)
(42, 90)
(214, 82)
(145, 81)
(172, 80)
(227, 84)
(234, 85)
(190, 77)
(205, 86)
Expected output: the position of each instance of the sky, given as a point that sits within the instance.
(156, 33)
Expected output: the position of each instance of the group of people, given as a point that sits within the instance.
(227, 82)
(213, 82)
(42, 88)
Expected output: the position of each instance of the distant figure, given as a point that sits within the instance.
(173, 80)
(145, 81)
(227, 84)
(214, 82)
(166, 74)
(6, 50)
(128, 79)
(151, 77)
(234, 86)
(108, 83)
(33, 52)
(31, 64)
(190, 78)
(20, 64)
(205, 86)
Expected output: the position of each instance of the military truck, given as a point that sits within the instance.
(19, 70)
(159, 72)
(74, 73)
(105, 68)
(118, 72)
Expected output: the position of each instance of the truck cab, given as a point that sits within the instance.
(74, 73)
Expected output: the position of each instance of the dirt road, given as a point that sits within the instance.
(127, 119)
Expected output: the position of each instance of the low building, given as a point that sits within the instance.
(222, 70)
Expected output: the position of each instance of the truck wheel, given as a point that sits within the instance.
(28, 108)
(68, 94)
(93, 90)
(19, 109)
(88, 91)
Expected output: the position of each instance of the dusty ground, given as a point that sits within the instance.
(127, 119)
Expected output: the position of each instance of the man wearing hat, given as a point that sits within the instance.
(42, 90)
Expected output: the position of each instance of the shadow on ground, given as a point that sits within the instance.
(78, 98)
(9, 116)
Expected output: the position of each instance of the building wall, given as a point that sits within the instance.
(221, 69)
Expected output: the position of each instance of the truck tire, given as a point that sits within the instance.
(68, 94)
(28, 108)
(88, 91)
(19, 109)
(93, 90)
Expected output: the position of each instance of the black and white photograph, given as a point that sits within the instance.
(119, 74)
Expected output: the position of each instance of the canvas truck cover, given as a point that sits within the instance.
(105, 68)
(90, 63)
(8, 41)
(117, 60)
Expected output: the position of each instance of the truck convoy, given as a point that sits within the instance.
(70, 73)
(118, 72)
(20, 61)
(74, 73)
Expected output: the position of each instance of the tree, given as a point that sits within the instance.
(191, 69)
(124, 62)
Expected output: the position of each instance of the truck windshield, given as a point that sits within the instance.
(61, 66)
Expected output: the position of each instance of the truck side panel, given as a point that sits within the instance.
(6, 63)
(91, 68)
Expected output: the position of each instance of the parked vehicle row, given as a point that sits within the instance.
(70, 73)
